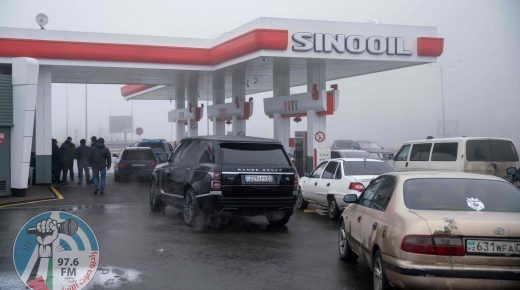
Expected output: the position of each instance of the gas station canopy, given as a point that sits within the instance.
(348, 49)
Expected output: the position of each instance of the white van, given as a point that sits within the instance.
(470, 154)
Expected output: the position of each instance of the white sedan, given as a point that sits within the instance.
(334, 178)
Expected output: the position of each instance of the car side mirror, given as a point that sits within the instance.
(350, 198)
(512, 171)
(163, 158)
(115, 155)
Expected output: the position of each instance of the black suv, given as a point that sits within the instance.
(217, 174)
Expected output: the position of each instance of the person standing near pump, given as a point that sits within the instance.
(56, 161)
(100, 160)
(68, 151)
(82, 157)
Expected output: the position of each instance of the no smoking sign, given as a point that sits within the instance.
(319, 136)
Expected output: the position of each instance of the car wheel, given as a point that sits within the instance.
(156, 204)
(278, 218)
(333, 209)
(191, 210)
(300, 202)
(379, 275)
(345, 252)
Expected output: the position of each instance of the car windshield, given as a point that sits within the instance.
(491, 150)
(157, 147)
(369, 145)
(366, 167)
(345, 144)
(138, 155)
(461, 195)
(257, 154)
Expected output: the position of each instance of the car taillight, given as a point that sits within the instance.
(296, 179)
(433, 245)
(357, 186)
(152, 164)
(215, 180)
(122, 164)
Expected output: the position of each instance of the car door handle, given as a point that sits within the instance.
(315, 183)
(328, 184)
(359, 219)
(374, 226)
(406, 164)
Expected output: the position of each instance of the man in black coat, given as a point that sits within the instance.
(56, 161)
(82, 157)
(68, 151)
(100, 160)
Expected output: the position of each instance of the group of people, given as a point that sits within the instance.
(95, 156)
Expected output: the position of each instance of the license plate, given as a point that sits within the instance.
(493, 247)
(138, 165)
(259, 179)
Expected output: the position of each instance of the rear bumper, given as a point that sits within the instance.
(216, 200)
(412, 275)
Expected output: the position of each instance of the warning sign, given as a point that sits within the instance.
(319, 136)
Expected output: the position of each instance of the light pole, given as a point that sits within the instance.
(86, 112)
(66, 111)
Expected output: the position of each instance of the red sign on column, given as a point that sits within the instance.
(292, 142)
(2, 137)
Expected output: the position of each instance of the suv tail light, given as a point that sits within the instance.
(357, 186)
(433, 245)
(122, 165)
(215, 180)
(296, 179)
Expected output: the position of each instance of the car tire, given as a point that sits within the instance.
(156, 204)
(300, 201)
(278, 218)
(345, 251)
(378, 273)
(333, 209)
(190, 209)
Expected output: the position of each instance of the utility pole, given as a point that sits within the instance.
(86, 112)
(66, 111)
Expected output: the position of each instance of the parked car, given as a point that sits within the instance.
(159, 146)
(134, 161)
(369, 146)
(469, 154)
(241, 175)
(353, 153)
(435, 230)
(334, 178)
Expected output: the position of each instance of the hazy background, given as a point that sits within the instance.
(480, 65)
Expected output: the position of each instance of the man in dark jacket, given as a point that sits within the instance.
(56, 162)
(82, 157)
(68, 151)
(100, 160)
(93, 141)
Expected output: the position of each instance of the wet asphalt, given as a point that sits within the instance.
(140, 249)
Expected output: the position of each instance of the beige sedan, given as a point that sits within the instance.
(435, 230)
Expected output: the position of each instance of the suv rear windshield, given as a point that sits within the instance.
(143, 154)
(491, 150)
(366, 168)
(461, 195)
(253, 154)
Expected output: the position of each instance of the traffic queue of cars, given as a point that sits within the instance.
(414, 229)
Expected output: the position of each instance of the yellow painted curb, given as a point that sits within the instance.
(56, 192)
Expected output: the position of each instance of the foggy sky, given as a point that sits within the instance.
(480, 65)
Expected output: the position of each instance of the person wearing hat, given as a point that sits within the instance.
(67, 151)
(93, 140)
(100, 160)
